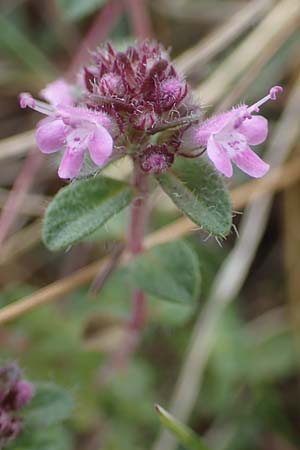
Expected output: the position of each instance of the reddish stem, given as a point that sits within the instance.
(104, 22)
(19, 191)
(139, 212)
(139, 18)
(136, 231)
(139, 310)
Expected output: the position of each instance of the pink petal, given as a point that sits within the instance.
(255, 129)
(218, 155)
(100, 146)
(50, 135)
(78, 138)
(70, 164)
(197, 136)
(83, 117)
(58, 92)
(250, 163)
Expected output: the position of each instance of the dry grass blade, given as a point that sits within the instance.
(52, 291)
(18, 192)
(278, 179)
(246, 79)
(291, 220)
(209, 47)
(33, 204)
(20, 242)
(283, 16)
(16, 145)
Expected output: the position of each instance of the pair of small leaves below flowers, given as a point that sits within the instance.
(81, 208)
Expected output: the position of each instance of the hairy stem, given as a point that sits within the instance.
(139, 212)
(136, 232)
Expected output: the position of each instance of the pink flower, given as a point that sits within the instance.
(75, 128)
(228, 136)
(58, 92)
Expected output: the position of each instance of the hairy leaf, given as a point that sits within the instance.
(50, 405)
(198, 191)
(169, 271)
(82, 207)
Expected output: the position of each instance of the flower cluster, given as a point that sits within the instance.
(15, 392)
(120, 101)
(135, 103)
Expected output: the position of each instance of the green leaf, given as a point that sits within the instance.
(50, 438)
(198, 191)
(77, 9)
(169, 271)
(82, 207)
(50, 405)
(186, 437)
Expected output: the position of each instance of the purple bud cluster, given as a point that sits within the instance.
(15, 393)
(142, 91)
(140, 80)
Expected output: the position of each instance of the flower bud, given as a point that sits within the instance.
(156, 159)
(23, 394)
(111, 84)
(172, 91)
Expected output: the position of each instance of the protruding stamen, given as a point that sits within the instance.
(27, 101)
(274, 91)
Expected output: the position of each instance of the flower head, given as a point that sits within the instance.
(121, 97)
(228, 137)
